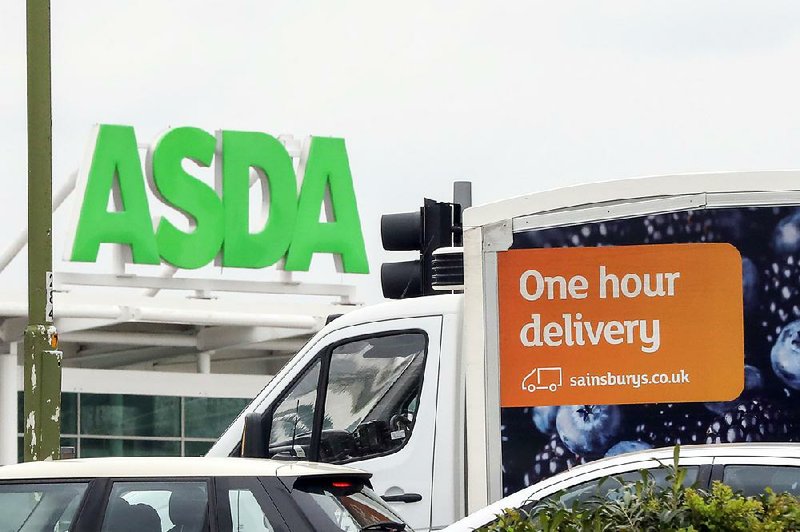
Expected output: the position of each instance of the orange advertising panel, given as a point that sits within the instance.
(620, 325)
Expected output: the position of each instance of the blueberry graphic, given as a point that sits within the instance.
(750, 285)
(753, 382)
(728, 225)
(544, 417)
(667, 424)
(628, 446)
(679, 226)
(786, 355)
(553, 458)
(546, 238)
(720, 407)
(780, 298)
(751, 421)
(588, 429)
(786, 238)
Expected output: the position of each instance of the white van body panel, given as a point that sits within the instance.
(449, 453)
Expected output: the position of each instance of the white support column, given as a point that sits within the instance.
(8, 406)
(204, 361)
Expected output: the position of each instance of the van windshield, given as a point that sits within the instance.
(372, 390)
(35, 507)
(372, 396)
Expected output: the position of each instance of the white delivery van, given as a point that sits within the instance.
(594, 320)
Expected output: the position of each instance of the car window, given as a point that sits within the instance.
(753, 479)
(600, 487)
(341, 505)
(244, 506)
(160, 506)
(372, 396)
(246, 513)
(35, 507)
(293, 418)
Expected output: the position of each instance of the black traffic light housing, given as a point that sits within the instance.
(435, 225)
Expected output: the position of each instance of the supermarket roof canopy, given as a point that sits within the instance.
(118, 321)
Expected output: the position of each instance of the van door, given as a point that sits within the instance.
(367, 398)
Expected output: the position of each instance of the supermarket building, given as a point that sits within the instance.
(170, 325)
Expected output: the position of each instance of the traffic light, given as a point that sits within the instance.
(436, 225)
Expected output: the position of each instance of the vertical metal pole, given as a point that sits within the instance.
(462, 196)
(42, 382)
(462, 193)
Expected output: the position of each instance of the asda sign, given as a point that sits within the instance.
(219, 217)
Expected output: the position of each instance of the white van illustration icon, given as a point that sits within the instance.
(542, 379)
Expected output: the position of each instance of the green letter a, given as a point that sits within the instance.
(328, 165)
(115, 154)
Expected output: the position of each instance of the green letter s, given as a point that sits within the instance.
(115, 154)
(187, 194)
(328, 165)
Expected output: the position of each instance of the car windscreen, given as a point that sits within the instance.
(39, 506)
(604, 487)
(344, 504)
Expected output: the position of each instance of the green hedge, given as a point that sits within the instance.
(644, 506)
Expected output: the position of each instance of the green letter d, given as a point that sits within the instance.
(242, 151)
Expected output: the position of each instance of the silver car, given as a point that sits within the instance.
(746, 467)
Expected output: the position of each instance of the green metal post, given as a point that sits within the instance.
(42, 361)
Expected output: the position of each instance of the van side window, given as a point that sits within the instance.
(293, 418)
(372, 396)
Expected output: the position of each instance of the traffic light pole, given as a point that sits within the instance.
(42, 382)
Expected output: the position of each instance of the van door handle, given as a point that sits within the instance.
(404, 497)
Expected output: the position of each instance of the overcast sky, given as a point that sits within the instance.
(515, 96)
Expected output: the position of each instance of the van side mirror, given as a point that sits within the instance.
(254, 442)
